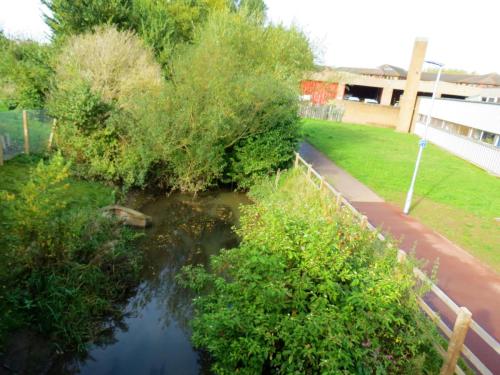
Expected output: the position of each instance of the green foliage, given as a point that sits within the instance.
(68, 17)
(233, 95)
(161, 24)
(62, 265)
(101, 78)
(228, 114)
(306, 292)
(25, 73)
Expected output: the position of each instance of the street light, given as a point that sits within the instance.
(423, 142)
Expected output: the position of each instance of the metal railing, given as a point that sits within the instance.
(463, 322)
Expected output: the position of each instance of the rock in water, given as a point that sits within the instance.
(129, 216)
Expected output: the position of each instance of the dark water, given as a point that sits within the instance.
(154, 337)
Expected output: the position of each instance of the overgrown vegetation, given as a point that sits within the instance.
(228, 114)
(163, 25)
(64, 265)
(450, 192)
(308, 291)
(25, 73)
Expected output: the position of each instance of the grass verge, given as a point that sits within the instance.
(452, 196)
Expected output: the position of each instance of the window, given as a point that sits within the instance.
(488, 137)
(476, 134)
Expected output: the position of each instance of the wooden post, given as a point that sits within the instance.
(339, 201)
(401, 256)
(364, 222)
(51, 136)
(321, 183)
(276, 180)
(2, 141)
(296, 164)
(309, 166)
(456, 342)
(26, 133)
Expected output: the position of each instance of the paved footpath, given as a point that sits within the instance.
(463, 278)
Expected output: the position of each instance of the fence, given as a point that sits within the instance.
(463, 322)
(321, 112)
(483, 155)
(24, 132)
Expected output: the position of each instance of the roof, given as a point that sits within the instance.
(386, 71)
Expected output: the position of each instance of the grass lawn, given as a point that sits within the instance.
(81, 193)
(452, 196)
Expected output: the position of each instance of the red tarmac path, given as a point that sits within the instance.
(467, 281)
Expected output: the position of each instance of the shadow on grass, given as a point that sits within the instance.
(431, 189)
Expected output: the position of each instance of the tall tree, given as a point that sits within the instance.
(162, 24)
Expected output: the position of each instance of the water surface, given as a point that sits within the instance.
(154, 337)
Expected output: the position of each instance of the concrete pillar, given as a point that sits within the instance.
(340, 91)
(386, 96)
(407, 103)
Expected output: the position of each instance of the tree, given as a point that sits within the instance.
(25, 72)
(161, 24)
(233, 99)
(100, 79)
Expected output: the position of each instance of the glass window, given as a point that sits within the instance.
(488, 138)
(476, 134)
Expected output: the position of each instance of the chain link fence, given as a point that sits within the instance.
(321, 112)
(24, 132)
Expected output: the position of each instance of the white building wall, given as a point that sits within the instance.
(481, 116)
(484, 116)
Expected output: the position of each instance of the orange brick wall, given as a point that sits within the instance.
(321, 92)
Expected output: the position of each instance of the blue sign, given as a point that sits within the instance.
(422, 143)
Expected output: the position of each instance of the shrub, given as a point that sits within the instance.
(233, 97)
(308, 292)
(101, 78)
(25, 72)
(63, 266)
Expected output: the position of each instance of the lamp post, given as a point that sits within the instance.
(423, 142)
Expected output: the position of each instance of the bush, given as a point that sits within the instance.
(25, 73)
(228, 115)
(308, 292)
(101, 78)
(233, 101)
(62, 266)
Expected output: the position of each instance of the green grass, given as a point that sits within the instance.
(452, 196)
(81, 193)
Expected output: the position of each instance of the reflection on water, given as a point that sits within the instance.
(153, 338)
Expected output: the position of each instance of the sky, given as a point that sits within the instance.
(462, 34)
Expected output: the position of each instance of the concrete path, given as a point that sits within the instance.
(463, 278)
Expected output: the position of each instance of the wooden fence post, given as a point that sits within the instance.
(321, 183)
(296, 164)
(26, 133)
(456, 342)
(339, 201)
(51, 136)
(277, 179)
(364, 222)
(309, 166)
(401, 256)
(2, 141)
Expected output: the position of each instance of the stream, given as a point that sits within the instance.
(154, 337)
